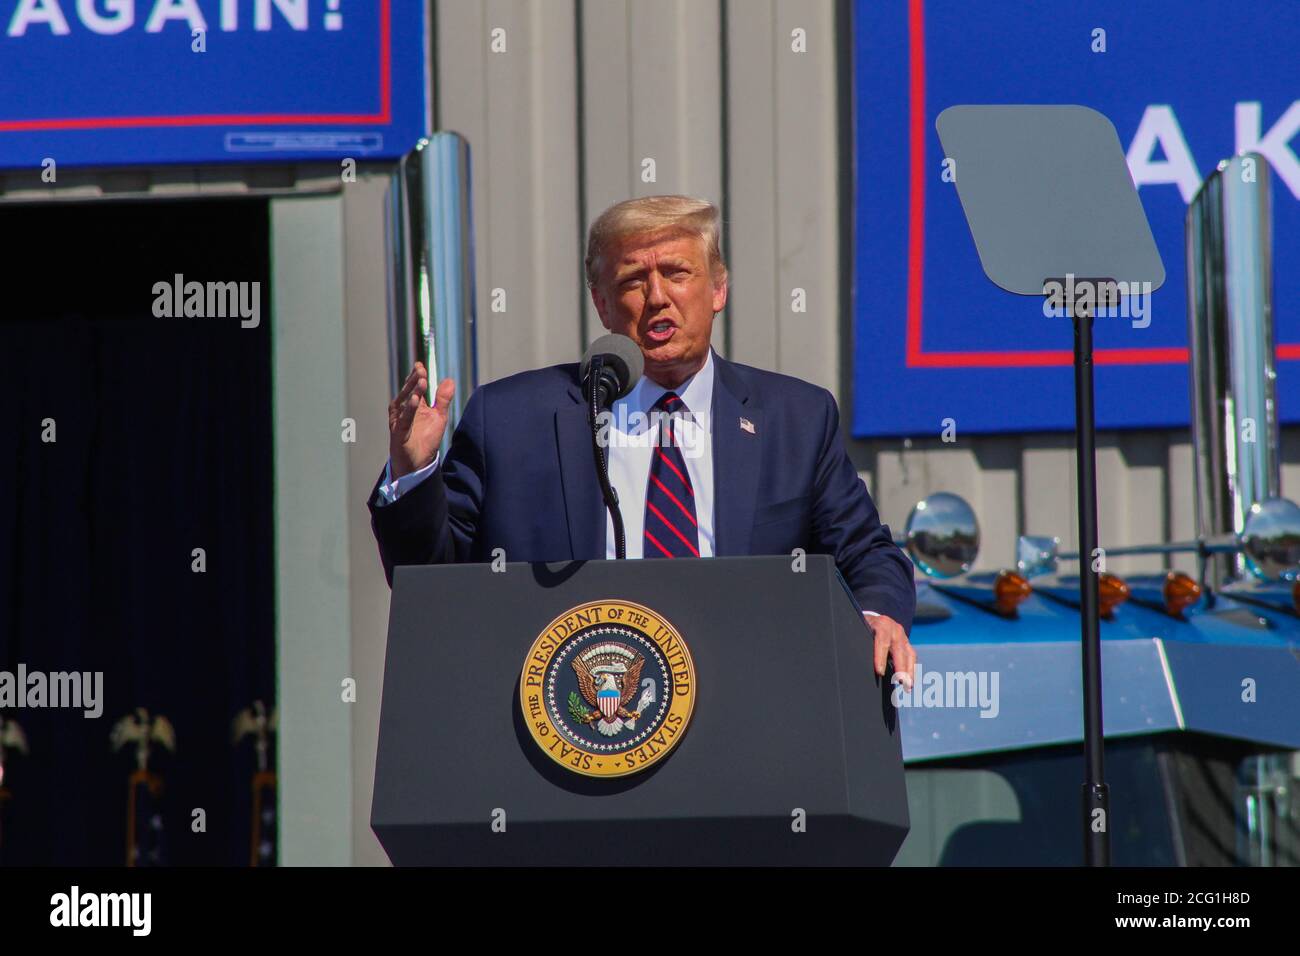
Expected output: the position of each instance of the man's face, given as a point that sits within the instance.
(660, 293)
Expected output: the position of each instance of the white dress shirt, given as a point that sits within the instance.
(391, 490)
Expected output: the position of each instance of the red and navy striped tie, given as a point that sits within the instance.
(671, 530)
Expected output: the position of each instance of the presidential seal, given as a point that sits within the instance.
(607, 689)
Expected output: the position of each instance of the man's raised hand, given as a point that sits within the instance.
(415, 428)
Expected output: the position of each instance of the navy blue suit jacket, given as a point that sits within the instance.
(519, 476)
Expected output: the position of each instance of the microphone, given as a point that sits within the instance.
(619, 369)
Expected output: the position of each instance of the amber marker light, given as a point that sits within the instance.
(1112, 593)
(1009, 592)
(1180, 592)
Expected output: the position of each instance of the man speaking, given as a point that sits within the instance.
(764, 471)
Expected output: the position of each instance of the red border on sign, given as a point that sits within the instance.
(916, 357)
(244, 119)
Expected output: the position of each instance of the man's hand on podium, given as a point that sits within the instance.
(415, 428)
(891, 640)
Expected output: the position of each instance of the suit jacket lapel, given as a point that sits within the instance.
(736, 457)
(584, 509)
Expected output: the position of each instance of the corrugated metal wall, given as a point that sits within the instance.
(564, 101)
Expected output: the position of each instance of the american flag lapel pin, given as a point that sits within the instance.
(747, 425)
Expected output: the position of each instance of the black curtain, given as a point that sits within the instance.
(163, 429)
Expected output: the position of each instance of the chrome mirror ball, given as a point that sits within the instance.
(1270, 539)
(942, 535)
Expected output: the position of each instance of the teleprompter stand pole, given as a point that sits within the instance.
(1096, 795)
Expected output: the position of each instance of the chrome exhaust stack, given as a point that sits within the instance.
(1232, 375)
(430, 251)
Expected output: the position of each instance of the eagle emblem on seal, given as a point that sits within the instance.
(609, 674)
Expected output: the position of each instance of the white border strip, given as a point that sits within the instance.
(1169, 682)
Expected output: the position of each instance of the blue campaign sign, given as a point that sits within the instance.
(1186, 84)
(135, 82)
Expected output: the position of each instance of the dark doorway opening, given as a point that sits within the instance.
(162, 444)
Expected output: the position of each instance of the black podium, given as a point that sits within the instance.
(791, 754)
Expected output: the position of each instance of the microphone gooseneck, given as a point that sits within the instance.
(612, 366)
(595, 392)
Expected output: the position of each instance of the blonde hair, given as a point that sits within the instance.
(652, 215)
